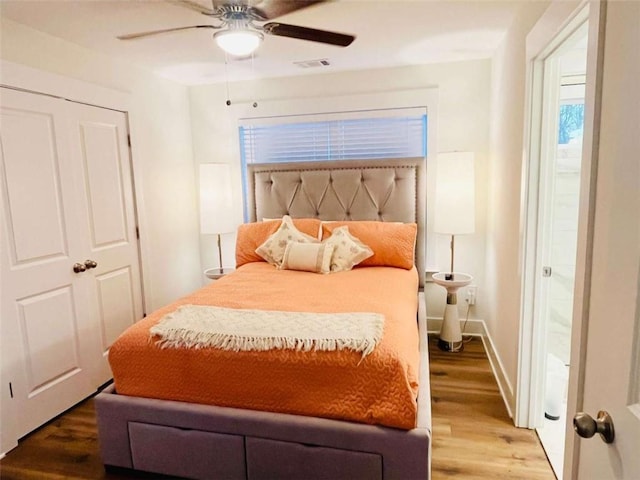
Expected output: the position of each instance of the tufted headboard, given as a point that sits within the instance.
(392, 190)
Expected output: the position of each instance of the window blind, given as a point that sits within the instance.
(383, 134)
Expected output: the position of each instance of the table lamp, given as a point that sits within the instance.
(454, 215)
(216, 207)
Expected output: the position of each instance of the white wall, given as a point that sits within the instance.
(462, 124)
(162, 153)
(503, 270)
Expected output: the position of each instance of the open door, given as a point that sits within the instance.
(607, 343)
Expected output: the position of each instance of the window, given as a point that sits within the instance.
(337, 139)
(571, 114)
(571, 123)
(376, 134)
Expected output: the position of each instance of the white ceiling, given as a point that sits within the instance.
(389, 34)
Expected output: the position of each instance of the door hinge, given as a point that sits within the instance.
(129, 140)
(546, 271)
(137, 233)
(10, 389)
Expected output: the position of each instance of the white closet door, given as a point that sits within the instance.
(46, 357)
(99, 147)
(67, 198)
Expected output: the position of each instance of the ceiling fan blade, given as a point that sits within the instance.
(195, 6)
(269, 9)
(311, 34)
(131, 36)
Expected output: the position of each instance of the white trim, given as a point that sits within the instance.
(558, 23)
(499, 372)
(473, 328)
(588, 182)
(478, 328)
(15, 75)
(21, 77)
(549, 27)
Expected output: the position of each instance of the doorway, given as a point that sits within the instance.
(558, 221)
(552, 231)
(70, 266)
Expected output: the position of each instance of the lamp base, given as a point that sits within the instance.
(452, 347)
(450, 335)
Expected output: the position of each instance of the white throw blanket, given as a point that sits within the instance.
(200, 326)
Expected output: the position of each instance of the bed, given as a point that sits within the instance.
(218, 434)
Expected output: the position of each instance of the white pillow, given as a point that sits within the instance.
(308, 257)
(319, 226)
(348, 250)
(272, 250)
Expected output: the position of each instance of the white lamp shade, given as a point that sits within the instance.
(216, 207)
(455, 193)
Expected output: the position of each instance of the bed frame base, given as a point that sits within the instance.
(207, 442)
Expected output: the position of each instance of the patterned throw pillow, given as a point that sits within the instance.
(348, 250)
(307, 257)
(272, 250)
(252, 235)
(393, 244)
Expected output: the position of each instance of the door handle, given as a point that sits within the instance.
(90, 264)
(79, 267)
(587, 427)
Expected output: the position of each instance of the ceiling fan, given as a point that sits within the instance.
(238, 33)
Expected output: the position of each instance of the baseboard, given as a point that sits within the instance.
(473, 327)
(506, 390)
(477, 328)
(6, 448)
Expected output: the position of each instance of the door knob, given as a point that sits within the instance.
(79, 268)
(587, 427)
(90, 263)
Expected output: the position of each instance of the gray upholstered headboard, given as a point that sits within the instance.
(392, 190)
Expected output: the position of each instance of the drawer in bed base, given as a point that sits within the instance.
(186, 453)
(269, 459)
(147, 434)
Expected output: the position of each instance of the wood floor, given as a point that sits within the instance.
(473, 437)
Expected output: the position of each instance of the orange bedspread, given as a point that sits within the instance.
(379, 390)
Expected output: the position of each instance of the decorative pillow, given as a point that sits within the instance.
(252, 235)
(308, 257)
(348, 250)
(393, 244)
(272, 250)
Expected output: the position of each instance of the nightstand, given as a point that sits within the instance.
(216, 273)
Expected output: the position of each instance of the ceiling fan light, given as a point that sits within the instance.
(239, 43)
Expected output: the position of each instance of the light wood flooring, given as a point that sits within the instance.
(473, 437)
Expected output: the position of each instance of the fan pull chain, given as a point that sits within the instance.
(226, 73)
(226, 76)
(253, 74)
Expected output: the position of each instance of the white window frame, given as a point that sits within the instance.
(334, 135)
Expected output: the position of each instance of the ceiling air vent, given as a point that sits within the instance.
(323, 62)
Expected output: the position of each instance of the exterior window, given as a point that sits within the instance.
(381, 134)
(571, 123)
